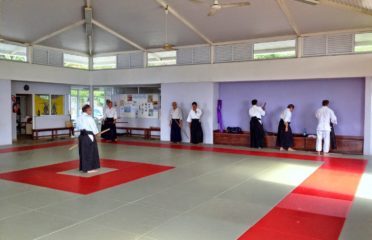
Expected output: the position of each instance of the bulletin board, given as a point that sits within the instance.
(137, 105)
(41, 104)
(58, 105)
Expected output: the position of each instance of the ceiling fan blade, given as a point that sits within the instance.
(213, 11)
(240, 4)
(197, 1)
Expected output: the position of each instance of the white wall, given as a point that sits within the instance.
(40, 88)
(6, 112)
(358, 65)
(184, 94)
(40, 73)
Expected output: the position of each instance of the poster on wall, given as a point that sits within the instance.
(41, 104)
(58, 105)
(138, 105)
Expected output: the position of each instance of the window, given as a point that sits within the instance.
(42, 104)
(108, 62)
(100, 95)
(58, 104)
(162, 58)
(13, 52)
(272, 50)
(74, 104)
(99, 102)
(363, 42)
(78, 98)
(75, 61)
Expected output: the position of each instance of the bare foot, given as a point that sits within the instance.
(326, 154)
(92, 171)
(281, 149)
(319, 153)
(291, 150)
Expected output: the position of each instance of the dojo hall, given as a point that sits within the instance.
(185, 119)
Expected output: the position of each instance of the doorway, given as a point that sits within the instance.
(24, 115)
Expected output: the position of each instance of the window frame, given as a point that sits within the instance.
(17, 45)
(105, 68)
(76, 55)
(295, 49)
(161, 65)
(355, 43)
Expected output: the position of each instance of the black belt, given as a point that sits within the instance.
(85, 132)
(256, 118)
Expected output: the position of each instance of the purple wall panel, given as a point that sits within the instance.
(346, 96)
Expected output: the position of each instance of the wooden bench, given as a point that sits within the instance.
(147, 132)
(35, 132)
(345, 144)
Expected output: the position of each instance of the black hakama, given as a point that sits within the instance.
(284, 139)
(257, 133)
(196, 131)
(333, 137)
(176, 131)
(109, 124)
(88, 152)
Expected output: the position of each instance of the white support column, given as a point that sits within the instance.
(90, 63)
(91, 96)
(30, 53)
(368, 117)
(300, 47)
(212, 53)
(7, 121)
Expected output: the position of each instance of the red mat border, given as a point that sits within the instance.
(50, 176)
(290, 218)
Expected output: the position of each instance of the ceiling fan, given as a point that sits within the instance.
(167, 46)
(217, 6)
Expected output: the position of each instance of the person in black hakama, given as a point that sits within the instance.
(196, 131)
(88, 149)
(333, 137)
(109, 122)
(284, 138)
(175, 123)
(257, 131)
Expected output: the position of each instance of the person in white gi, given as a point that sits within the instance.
(175, 122)
(109, 121)
(284, 138)
(256, 128)
(325, 117)
(88, 149)
(193, 119)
